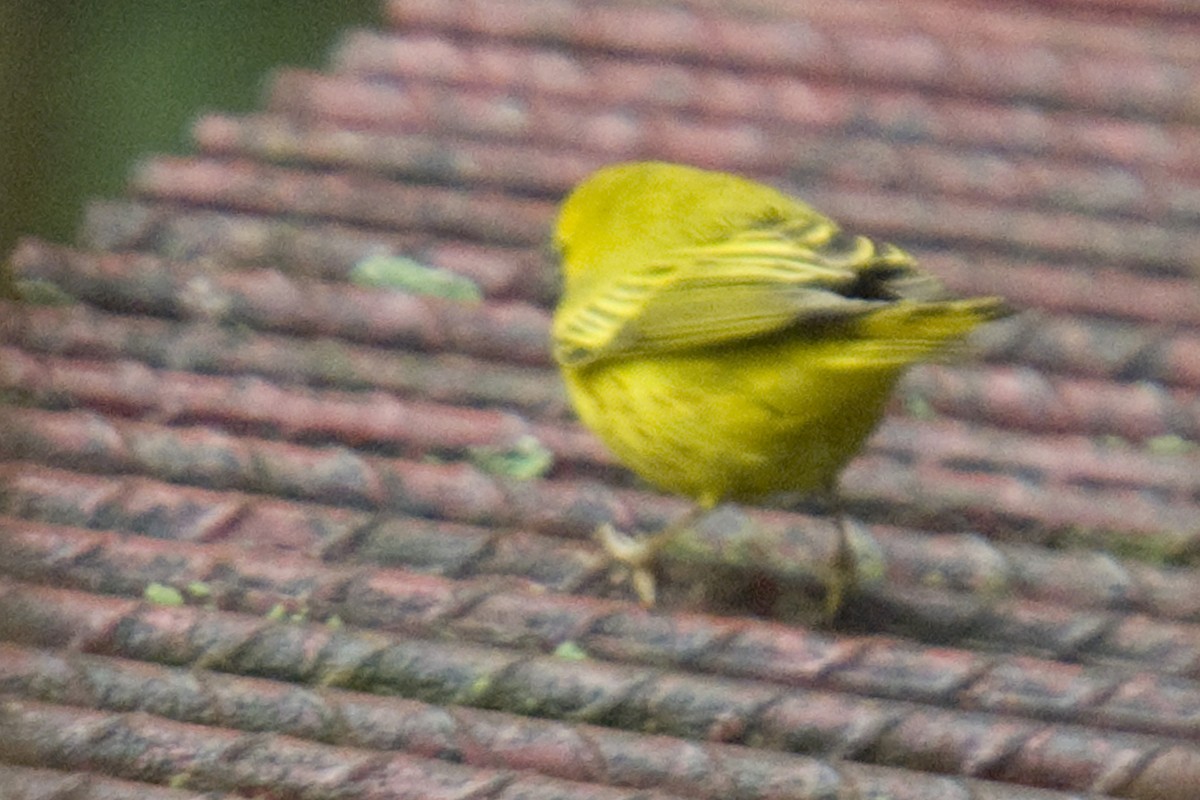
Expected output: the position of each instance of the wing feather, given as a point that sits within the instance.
(745, 283)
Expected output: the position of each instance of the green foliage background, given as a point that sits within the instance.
(88, 87)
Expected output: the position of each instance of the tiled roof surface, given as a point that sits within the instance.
(253, 541)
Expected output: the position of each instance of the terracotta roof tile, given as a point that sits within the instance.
(260, 528)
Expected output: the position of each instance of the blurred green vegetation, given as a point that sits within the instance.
(88, 87)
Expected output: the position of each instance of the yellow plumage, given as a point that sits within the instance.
(727, 341)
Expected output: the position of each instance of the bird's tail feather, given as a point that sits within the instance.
(905, 332)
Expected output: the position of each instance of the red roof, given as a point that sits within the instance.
(270, 528)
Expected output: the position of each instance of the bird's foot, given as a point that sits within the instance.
(637, 555)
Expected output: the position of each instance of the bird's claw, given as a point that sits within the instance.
(637, 554)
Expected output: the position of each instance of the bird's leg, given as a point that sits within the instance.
(843, 577)
(638, 554)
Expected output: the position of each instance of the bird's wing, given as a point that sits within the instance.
(747, 283)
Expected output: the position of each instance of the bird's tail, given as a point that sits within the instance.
(904, 332)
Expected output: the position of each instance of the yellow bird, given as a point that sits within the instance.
(727, 341)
